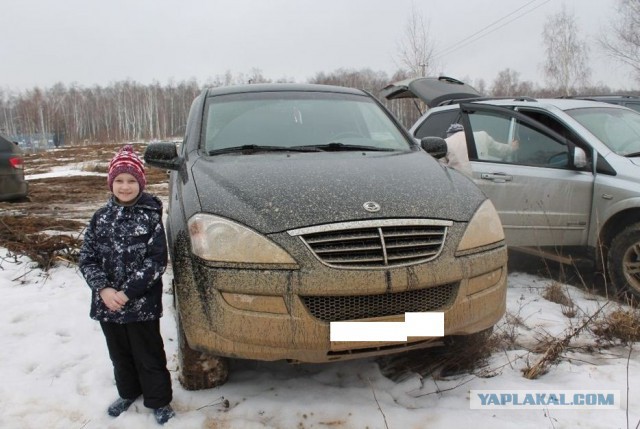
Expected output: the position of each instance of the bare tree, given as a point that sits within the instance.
(506, 83)
(622, 39)
(567, 55)
(480, 85)
(416, 49)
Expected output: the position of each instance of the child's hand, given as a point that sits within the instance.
(113, 299)
(123, 297)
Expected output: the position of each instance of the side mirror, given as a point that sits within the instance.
(579, 158)
(434, 146)
(163, 155)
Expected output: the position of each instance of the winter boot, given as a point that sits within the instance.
(163, 414)
(119, 406)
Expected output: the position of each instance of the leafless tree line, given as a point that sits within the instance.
(131, 111)
(124, 111)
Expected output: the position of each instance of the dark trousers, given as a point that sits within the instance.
(139, 362)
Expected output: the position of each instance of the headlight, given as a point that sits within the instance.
(218, 239)
(484, 228)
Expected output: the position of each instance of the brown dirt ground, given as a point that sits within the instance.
(49, 225)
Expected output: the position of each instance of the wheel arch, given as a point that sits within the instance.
(611, 228)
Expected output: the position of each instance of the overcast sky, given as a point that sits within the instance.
(92, 42)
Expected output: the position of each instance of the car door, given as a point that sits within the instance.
(542, 199)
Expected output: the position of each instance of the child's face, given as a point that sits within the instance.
(125, 187)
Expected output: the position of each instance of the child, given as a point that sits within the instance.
(123, 257)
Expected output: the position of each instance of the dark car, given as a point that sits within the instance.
(13, 185)
(292, 207)
(630, 101)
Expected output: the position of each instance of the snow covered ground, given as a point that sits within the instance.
(56, 373)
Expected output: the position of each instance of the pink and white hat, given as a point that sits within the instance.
(126, 161)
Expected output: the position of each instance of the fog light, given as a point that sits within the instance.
(257, 303)
(484, 281)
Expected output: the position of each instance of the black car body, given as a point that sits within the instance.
(630, 101)
(295, 206)
(13, 185)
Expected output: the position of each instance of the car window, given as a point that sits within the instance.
(557, 126)
(501, 138)
(619, 129)
(437, 123)
(182, 148)
(290, 119)
(634, 106)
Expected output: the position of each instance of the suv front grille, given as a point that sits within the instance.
(341, 308)
(375, 244)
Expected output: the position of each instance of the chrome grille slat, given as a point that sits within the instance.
(412, 244)
(353, 237)
(376, 244)
(409, 257)
(345, 261)
(348, 248)
(341, 308)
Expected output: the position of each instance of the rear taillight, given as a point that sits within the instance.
(16, 163)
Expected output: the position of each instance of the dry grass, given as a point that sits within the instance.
(25, 236)
(621, 324)
(551, 353)
(555, 292)
(552, 347)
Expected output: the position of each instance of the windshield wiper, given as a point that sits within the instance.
(253, 148)
(632, 155)
(337, 147)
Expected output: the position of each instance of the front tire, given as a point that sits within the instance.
(199, 370)
(196, 370)
(623, 262)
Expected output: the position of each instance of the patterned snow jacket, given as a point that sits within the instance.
(125, 248)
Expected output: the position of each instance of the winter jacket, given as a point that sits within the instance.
(125, 248)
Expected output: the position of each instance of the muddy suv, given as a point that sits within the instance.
(295, 206)
(571, 191)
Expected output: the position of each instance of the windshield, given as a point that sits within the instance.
(273, 121)
(619, 129)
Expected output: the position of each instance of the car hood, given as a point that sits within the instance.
(277, 192)
(431, 90)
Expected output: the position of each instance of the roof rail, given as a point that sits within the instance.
(458, 100)
(599, 96)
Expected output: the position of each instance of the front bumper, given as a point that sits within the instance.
(267, 314)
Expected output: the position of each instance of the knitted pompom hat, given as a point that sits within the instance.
(126, 161)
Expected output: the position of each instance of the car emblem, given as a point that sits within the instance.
(371, 206)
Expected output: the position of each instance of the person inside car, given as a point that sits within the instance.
(487, 147)
(457, 156)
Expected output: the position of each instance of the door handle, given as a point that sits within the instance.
(496, 177)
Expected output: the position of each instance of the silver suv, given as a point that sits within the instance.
(570, 190)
